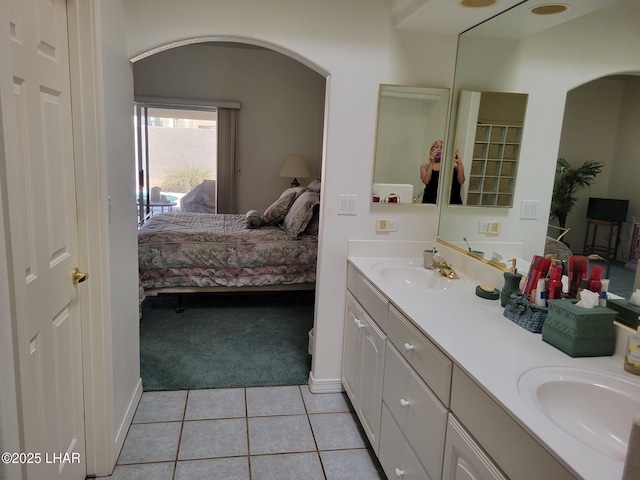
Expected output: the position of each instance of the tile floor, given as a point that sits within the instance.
(261, 433)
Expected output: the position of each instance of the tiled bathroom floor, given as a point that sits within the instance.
(261, 433)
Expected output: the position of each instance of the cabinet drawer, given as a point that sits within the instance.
(396, 456)
(516, 452)
(370, 298)
(417, 411)
(428, 361)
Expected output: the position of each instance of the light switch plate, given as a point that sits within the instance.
(347, 204)
(529, 209)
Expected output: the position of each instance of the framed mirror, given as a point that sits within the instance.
(487, 147)
(410, 120)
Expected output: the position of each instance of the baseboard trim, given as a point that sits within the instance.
(123, 428)
(331, 385)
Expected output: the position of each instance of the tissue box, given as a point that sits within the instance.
(580, 332)
(627, 311)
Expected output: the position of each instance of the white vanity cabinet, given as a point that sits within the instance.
(363, 358)
(425, 417)
(464, 459)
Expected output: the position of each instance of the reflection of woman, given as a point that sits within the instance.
(457, 180)
(430, 173)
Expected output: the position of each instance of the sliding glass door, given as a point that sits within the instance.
(176, 153)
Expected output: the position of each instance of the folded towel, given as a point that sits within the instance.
(253, 219)
(632, 462)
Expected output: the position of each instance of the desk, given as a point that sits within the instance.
(607, 251)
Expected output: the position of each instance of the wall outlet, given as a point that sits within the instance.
(493, 228)
(383, 225)
(393, 225)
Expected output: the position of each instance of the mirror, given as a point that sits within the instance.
(518, 51)
(410, 120)
(487, 143)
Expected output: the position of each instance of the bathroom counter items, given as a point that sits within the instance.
(495, 353)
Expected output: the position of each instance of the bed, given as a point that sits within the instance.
(180, 252)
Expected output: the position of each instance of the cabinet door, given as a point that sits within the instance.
(352, 346)
(396, 456)
(372, 372)
(464, 459)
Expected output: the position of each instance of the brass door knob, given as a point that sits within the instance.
(77, 276)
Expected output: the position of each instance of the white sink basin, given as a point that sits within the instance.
(413, 275)
(595, 407)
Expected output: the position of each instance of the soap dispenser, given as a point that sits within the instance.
(511, 283)
(632, 355)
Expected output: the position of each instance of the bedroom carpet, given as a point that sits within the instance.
(226, 340)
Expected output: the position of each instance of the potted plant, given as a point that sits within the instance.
(568, 181)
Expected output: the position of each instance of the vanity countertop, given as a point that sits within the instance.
(495, 352)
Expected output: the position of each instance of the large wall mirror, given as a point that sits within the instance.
(487, 142)
(410, 120)
(547, 58)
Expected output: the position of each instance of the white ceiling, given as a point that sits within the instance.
(449, 17)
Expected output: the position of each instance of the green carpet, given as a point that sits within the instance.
(226, 340)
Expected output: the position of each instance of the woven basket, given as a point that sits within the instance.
(529, 316)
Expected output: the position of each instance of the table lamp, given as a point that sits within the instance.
(295, 167)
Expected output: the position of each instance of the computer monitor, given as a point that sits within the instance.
(608, 209)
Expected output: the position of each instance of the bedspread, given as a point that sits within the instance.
(183, 249)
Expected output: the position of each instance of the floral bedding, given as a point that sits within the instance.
(182, 249)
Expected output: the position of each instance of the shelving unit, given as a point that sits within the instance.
(494, 165)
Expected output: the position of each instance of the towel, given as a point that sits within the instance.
(632, 463)
(253, 219)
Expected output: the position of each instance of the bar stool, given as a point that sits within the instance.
(609, 252)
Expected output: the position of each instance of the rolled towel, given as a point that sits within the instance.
(632, 462)
(253, 219)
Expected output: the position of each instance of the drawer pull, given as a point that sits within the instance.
(358, 323)
(399, 473)
(408, 347)
(404, 403)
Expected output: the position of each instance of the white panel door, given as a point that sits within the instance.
(42, 206)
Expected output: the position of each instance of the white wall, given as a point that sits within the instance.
(118, 127)
(282, 108)
(545, 66)
(355, 45)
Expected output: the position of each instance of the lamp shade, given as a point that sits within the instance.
(294, 167)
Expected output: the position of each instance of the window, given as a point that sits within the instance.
(176, 151)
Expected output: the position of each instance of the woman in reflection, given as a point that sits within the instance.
(457, 180)
(430, 175)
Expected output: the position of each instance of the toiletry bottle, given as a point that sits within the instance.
(632, 356)
(554, 290)
(603, 293)
(541, 293)
(594, 284)
(511, 283)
